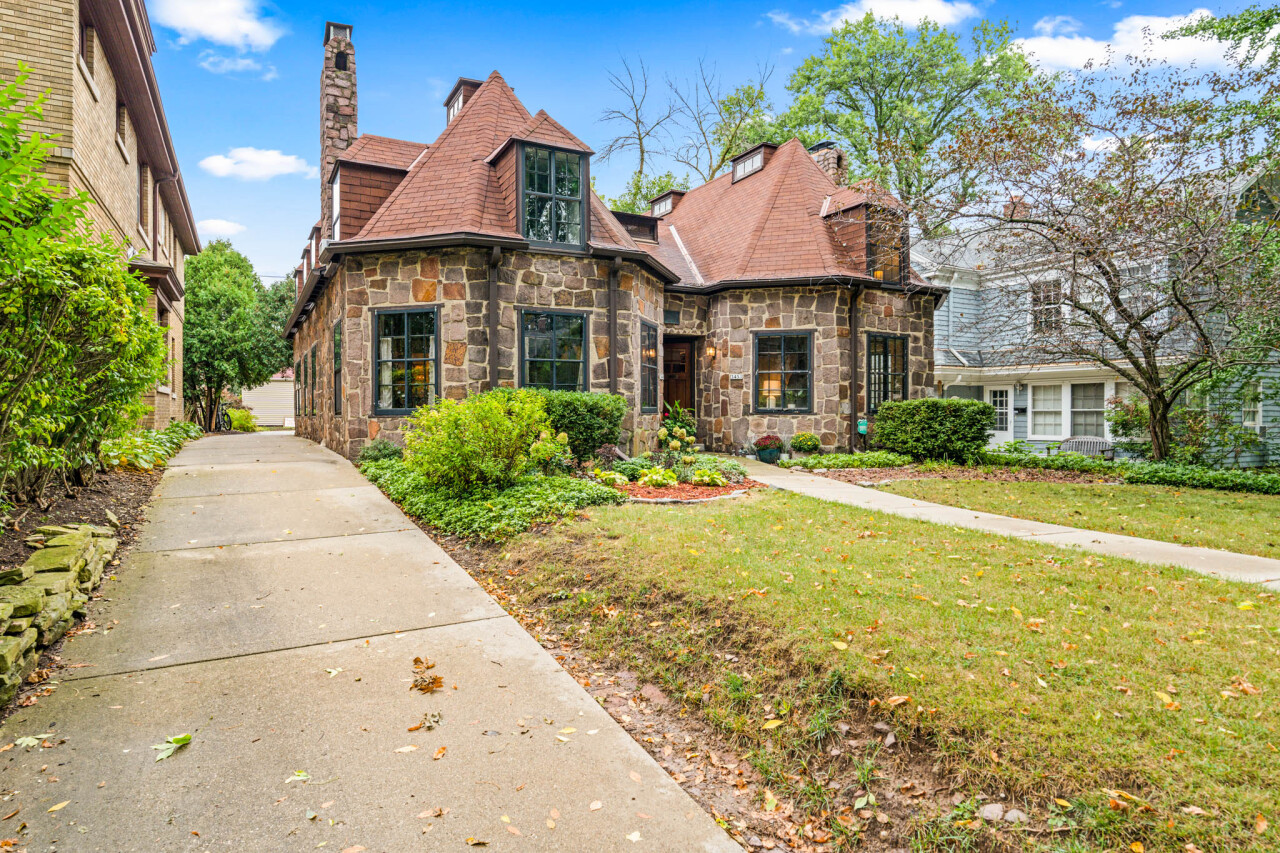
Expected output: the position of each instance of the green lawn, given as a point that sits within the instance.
(1248, 524)
(1044, 672)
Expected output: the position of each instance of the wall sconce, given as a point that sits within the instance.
(711, 351)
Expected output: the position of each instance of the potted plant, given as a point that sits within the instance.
(805, 444)
(768, 449)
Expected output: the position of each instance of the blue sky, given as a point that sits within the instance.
(240, 78)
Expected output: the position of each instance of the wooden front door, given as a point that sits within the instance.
(677, 373)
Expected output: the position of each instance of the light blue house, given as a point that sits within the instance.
(984, 350)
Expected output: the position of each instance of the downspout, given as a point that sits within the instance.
(853, 352)
(495, 257)
(615, 266)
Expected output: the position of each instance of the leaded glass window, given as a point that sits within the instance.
(554, 353)
(406, 366)
(552, 196)
(886, 370)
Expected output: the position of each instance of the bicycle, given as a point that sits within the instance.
(222, 420)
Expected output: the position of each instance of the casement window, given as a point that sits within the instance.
(553, 348)
(748, 165)
(553, 197)
(312, 375)
(1088, 409)
(648, 368)
(886, 370)
(884, 250)
(1251, 408)
(337, 368)
(297, 387)
(144, 196)
(337, 205)
(406, 360)
(1046, 411)
(1046, 306)
(86, 44)
(784, 372)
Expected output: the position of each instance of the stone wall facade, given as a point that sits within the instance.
(455, 282)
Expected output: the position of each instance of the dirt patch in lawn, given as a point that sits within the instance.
(876, 476)
(122, 492)
(686, 491)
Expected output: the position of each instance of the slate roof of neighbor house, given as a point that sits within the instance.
(382, 151)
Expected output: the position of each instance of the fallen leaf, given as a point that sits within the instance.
(1062, 802)
(635, 777)
(898, 700)
(1194, 810)
(513, 830)
(439, 754)
(471, 842)
(771, 724)
(410, 748)
(1136, 847)
(356, 849)
(839, 645)
(1259, 824)
(595, 805)
(68, 802)
(171, 745)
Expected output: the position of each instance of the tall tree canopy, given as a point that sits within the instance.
(893, 97)
(231, 339)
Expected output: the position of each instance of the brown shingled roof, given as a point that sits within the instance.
(383, 151)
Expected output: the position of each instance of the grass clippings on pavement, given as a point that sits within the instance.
(1231, 521)
(1117, 703)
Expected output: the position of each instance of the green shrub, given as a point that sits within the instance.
(242, 420)
(633, 468)
(658, 478)
(679, 416)
(590, 420)
(805, 442)
(1147, 473)
(484, 440)
(378, 449)
(612, 478)
(933, 428)
(146, 449)
(730, 468)
(488, 514)
(869, 459)
(705, 477)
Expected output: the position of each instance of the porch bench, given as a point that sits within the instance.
(1088, 445)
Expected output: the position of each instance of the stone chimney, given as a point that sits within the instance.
(337, 111)
(831, 160)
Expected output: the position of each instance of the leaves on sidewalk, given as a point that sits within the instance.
(171, 745)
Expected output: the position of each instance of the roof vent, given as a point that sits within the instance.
(661, 205)
(752, 160)
(458, 97)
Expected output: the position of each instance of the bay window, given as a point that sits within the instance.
(784, 372)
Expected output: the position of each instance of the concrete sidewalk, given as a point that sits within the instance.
(1208, 561)
(273, 608)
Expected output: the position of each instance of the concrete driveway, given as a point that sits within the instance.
(273, 609)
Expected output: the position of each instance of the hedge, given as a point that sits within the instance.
(933, 428)
(591, 420)
(1146, 473)
(870, 459)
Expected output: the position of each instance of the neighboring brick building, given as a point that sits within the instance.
(93, 61)
(484, 260)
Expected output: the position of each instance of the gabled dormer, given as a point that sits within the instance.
(548, 170)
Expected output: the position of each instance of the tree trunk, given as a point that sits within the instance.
(1161, 430)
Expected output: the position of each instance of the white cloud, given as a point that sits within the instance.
(1137, 35)
(911, 12)
(233, 23)
(1058, 25)
(256, 164)
(220, 64)
(218, 228)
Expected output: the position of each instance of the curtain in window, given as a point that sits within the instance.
(784, 376)
(406, 362)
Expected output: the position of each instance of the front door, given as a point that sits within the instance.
(1001, 399)
(677, 373)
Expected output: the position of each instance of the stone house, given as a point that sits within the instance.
(92, 59)
(772, 299)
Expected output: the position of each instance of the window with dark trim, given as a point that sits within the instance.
(553, 196)
(784, 372)
(86, 43)
(297, 387)
(648, 368)
(313, 378)
(553, 348)
(671, 316)
(406, 363)
(337, 368)
(886, 370)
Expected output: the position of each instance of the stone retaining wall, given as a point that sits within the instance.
(41, 598)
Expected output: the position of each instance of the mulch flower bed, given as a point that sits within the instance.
(864, 476)
(686, 491)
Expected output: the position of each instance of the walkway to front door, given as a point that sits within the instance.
(273, 610)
